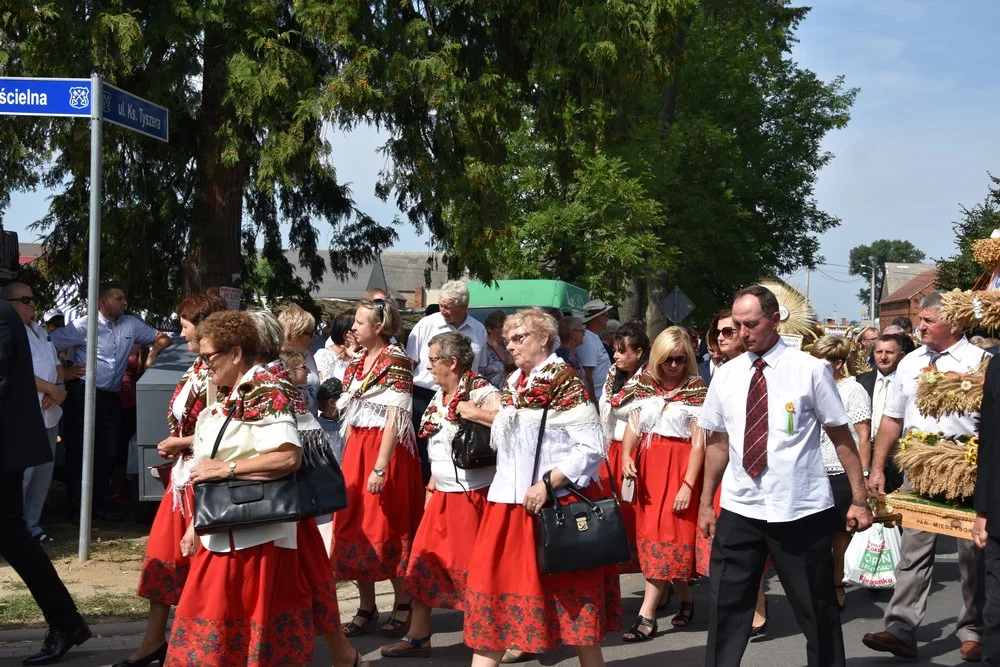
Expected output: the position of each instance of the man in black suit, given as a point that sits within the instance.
(23, 444)
(889, 350)
(986, 529)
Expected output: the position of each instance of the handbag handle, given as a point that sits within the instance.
(538, 446)
(222, 431)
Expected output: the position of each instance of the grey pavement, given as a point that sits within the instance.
(784, 646)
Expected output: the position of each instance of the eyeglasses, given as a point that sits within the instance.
(434, 360)
(675, 361)
(22, 299)
(517, 339)
(579, 331)
(727, 332)
(208, 357)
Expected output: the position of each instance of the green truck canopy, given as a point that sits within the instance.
(512, 295)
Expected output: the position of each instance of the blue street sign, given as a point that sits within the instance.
(44, 97)
(133, 112)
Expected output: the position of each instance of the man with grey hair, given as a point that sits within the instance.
(946, 349)
(453, 298)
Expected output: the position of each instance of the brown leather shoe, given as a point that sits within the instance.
(972, 651)
(890, 643)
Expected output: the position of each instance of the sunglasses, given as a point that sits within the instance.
(727, 332)
(22, 299)
(517, 339)
(675, 361)
(379, 305)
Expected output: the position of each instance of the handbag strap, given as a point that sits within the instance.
(222, 431)
(538, 446)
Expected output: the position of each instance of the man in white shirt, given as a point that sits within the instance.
(945, 347)
(764, 411)
(453, 300)
(888, 352)
(591, 353)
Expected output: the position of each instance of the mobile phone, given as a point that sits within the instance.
(628, 489)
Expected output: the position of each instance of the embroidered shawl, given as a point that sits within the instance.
(652, 399)
(617, 402)
(197, 376)
(382, 397)
(434, 419)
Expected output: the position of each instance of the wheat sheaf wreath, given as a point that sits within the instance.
(941, 393)
(971, 309)
(986, 252)
(936, 465)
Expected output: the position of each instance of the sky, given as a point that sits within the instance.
(920, 142)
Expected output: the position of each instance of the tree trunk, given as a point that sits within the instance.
(633, 305)
(214, 257)
(656, 321)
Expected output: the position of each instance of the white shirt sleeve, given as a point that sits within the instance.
(144, 334)
(268, 437)
(712, 417)
(414, 342)
(828, 405)
(895, 400)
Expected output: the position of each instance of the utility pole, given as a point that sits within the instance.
(871, 298)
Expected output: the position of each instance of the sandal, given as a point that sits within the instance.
(408, 647)
(666, 597)
(684, 616)
(395, 627)
(636, 634)
(513, 656)
(358, 662)
(353, 629)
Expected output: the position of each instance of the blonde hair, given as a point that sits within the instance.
(670, 340)
(383, 312)
(296, 321)
(536, 321)
(833, 348)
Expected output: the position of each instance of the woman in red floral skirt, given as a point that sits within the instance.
(663, 453)
(510, 604)
(385, 490)
(164, 569)
(247, 600)
(631, 345)
(435, 577)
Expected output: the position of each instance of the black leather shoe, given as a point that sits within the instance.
(57, 644)
(159, 655)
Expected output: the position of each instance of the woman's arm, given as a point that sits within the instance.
(390, 437)
(469, 410)
(697, 457)
(284, 460)
(629, 442)
(864, 429)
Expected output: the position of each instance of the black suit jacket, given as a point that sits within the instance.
(867, 380)
(987, 498)
(23, 442)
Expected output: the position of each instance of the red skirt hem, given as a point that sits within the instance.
(164, 568)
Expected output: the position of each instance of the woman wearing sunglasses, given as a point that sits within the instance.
(300, 332)
(385, 490)
(663, 451)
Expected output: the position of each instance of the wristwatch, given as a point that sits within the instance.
(858, 503)
(232, 469)
(379, 471)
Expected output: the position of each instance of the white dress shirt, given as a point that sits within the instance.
(419, 341)
(114, 345)
(879, 395)
(794, 483)
(592, 354)
(962, 357)
(45, 361)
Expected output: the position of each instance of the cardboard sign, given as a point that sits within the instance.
(232, 296)
(792, 340)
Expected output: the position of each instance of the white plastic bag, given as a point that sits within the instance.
(872, 556)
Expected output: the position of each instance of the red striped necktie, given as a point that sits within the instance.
(755, 433)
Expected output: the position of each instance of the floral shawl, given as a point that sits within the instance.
(433, 420)
(651, 400)
(382, 397)
(616, 401)
(198, 377)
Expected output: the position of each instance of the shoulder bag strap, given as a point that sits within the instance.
(538, 446)
(222, 431)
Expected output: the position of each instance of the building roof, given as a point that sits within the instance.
(913, 287)
(897, 275)
(406, 271)
(29, 252)
(366, 277)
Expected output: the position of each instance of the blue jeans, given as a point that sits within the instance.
(36, 487)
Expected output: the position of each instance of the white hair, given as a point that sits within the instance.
(454, 292)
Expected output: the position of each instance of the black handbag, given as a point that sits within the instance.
(470, 448)
(581, 535)
(321, 483)
(233, 503)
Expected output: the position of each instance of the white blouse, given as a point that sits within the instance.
(859, 409)
(447, 476)
(670, 419)
(243, 441)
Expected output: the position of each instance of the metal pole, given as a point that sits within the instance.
(871, 297)
(93, 280)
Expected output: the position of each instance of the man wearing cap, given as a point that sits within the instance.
(591, 353)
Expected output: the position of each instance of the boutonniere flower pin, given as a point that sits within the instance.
(790, 408)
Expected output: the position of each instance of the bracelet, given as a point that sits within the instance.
(685, 483)
(428, 489)
(858, 503)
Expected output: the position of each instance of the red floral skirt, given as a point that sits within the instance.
(628, 509)
(164, 569)
(316, 566)
(373, 535)
(249, 607)
(439, 560)
(510, 604)
(666, 539)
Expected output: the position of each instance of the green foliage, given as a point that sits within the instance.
(961, 270)
(879, 253)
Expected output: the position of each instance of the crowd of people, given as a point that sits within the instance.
(747, 457)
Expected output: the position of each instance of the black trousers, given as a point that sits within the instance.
(107, 417)
(991, 607)
(421, 399)
(801, 552)
(29, 560)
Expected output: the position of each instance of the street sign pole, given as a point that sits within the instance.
(93, 285)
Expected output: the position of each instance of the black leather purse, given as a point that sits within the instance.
(580, 535)
(233, 503)
(321, 483)
(470, 448)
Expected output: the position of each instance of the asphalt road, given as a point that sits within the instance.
(784, 647)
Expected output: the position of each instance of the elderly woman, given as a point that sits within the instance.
(165, 568)
(300, 331)
(440, 557)
(662, 433)
(631, 345)
(836, 350)
(385, 491)
(247, 590)
(333, 359)
(575, 608)
(496, 352)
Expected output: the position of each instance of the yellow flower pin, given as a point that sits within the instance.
(790, 408)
